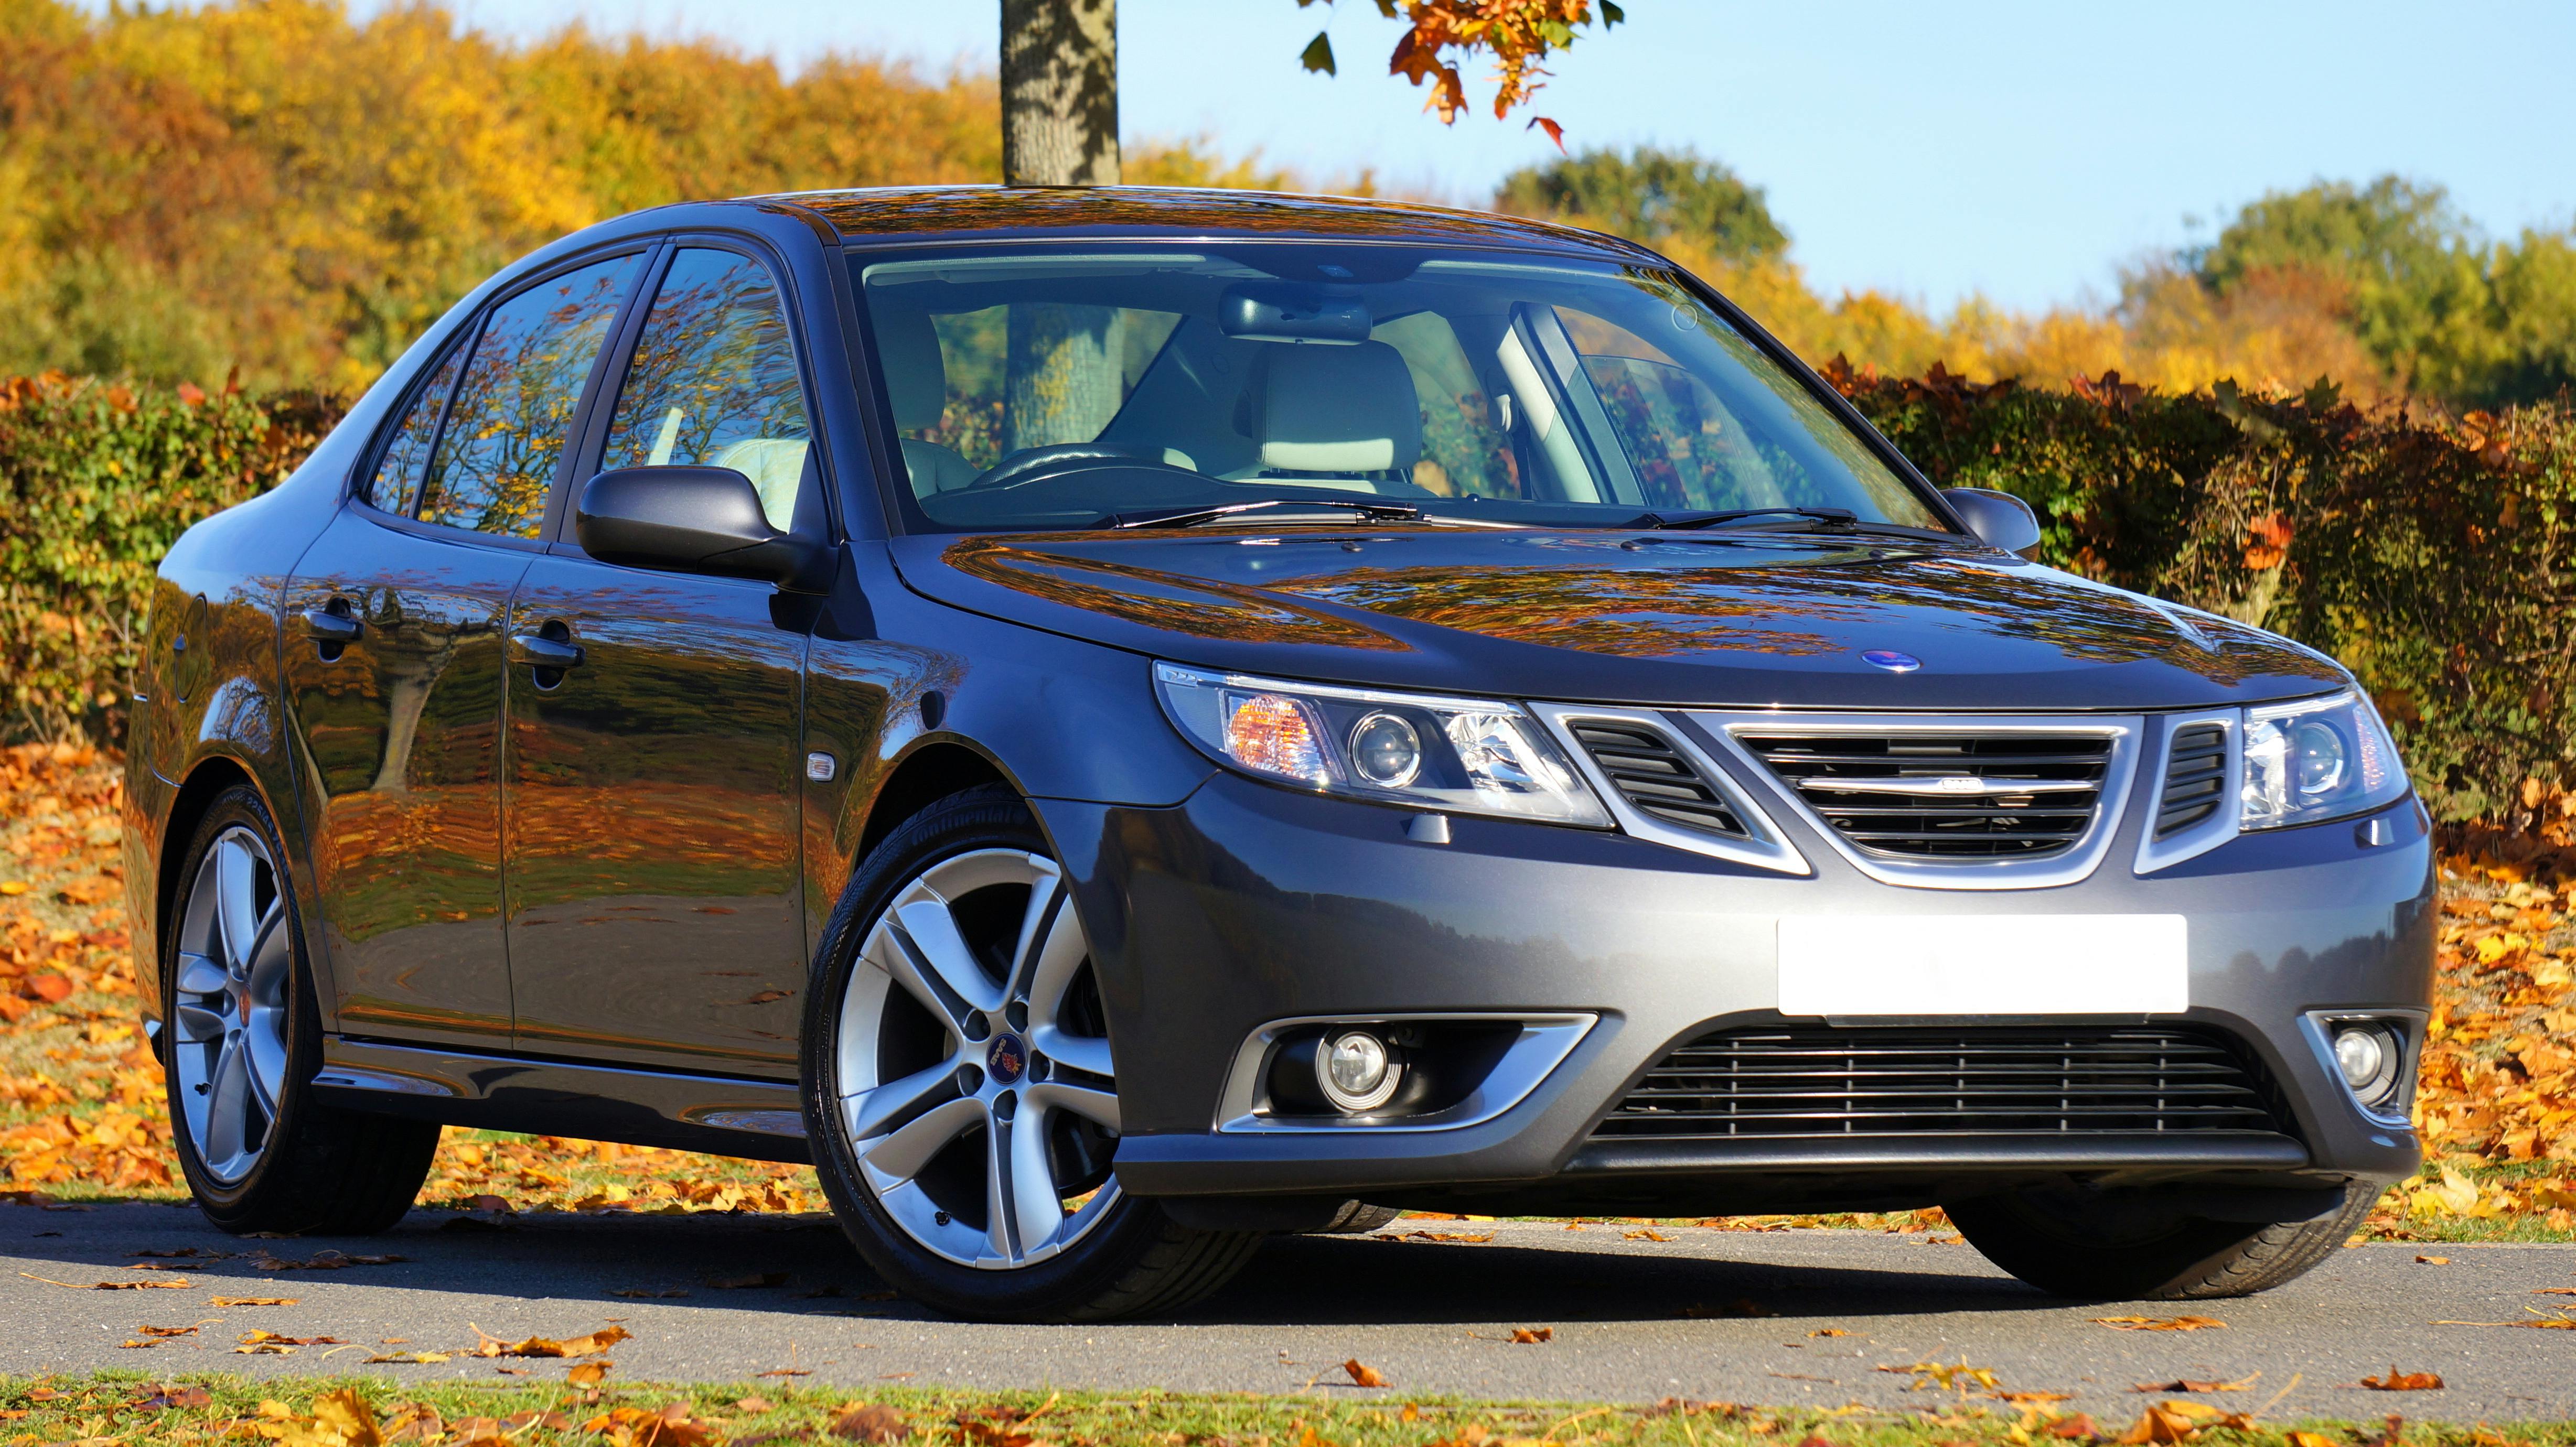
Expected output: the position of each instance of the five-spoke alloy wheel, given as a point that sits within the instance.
(241, 1039)
(228, 1023)
(995, 1154)
(961, 1094)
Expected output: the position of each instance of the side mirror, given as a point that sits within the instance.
(1997, 518)
(690, 520)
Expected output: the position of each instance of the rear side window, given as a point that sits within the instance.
(495, 459)
(396, 485)
(713, 381)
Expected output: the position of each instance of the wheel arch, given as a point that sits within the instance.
(205, 782)
(925, 774)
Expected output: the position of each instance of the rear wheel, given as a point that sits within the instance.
(960, 1090)
(2079, 1244)
(243, 1039)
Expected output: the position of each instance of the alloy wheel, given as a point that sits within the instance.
(229, 1018)
(974, 1078)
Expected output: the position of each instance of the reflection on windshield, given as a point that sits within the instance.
(1050, 388)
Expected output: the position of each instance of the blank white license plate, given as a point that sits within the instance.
(2024, 964)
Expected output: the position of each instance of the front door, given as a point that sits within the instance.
(653, 770)
(394, 665)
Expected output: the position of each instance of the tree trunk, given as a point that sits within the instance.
(1061, 379)
(1060, 92)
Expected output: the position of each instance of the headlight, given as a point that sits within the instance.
(1456, 755)
(2316, 760)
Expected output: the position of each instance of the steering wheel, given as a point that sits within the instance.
(1030, 463)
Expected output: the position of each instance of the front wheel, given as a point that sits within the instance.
(2073, 1243)
(243, 1038)
(961, 1095)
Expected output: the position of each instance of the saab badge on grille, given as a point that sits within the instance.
(1891, 660)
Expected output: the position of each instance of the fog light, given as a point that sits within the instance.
(1356, 1072)
(2367, 1055)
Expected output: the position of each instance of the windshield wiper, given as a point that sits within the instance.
(1840, 516)
(1190, 517)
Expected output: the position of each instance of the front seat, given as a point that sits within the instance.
(917, 386)
(1340, 417)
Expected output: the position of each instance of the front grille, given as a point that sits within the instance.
(1656, 777)
(1946, 795)
(1820, 1081)
(2195, 778)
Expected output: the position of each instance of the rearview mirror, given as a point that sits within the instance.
(689, 520)
(1999, 519)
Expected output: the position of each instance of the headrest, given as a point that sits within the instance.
(916, 382)
(1339, 409)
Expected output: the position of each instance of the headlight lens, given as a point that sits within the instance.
(1456, 755)
(2316, 760)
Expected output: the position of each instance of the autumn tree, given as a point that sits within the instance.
(1650, 195)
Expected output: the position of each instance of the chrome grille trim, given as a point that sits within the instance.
(2074, 827)
(1759, 842)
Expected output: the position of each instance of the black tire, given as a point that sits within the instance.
(1358, 1218)
(2069, 1244)
(1133, 1259)
(318, 1170)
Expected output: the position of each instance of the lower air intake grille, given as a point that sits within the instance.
(1946, 796)
(1655, 776)
(2195, 777)
(1820, 1081)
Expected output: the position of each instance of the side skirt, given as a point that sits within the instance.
(760, 1120)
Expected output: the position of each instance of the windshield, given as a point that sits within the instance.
(1080, 387)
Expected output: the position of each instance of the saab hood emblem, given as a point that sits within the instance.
(1891, 660)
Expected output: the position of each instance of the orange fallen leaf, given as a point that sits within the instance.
(2071, 1428)
(2433, 1260)
(1528, 1335)
(2397, 1381)
(537, 1346)
(2185, 1384)
(1363, 1376)
(224, 1301)
(870, 1422)
(588, 1374)
(1646, 1235)
(1829, 1331)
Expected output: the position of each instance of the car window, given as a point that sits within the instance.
(496, 457)
(713, 381)
(1024, 380)
(396, 485)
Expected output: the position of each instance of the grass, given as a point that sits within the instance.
(130, 1408)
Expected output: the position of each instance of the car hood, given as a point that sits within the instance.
(1603, 617)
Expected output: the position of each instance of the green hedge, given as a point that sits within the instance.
(2430, 556)
(96, 481)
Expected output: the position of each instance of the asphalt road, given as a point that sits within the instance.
(1633, 1319)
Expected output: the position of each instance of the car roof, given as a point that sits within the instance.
(911, 214)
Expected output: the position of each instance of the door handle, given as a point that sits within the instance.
(539, 651)
(331, 627)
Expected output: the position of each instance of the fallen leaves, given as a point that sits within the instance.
(1649, 1234)
(588, 1374)
(153, 1336)
(2397, 1381)
(1946, 1377)
(1460, 1238)
(590, 1345)
(271, 1344)
(2168, 1422)
(871, 1422)
(2432, 1260)
(1363, 1375)
(174, 1285)
(232, 1301)
(1532, 1335)
(2158, 1323)
(319, 1261)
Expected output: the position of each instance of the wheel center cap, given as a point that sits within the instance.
(1006, 1059)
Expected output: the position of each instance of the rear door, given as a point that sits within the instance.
(652, 798)
(394, 661)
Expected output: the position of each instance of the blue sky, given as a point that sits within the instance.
(2020, 150)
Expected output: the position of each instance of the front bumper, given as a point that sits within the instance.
(1247, 905)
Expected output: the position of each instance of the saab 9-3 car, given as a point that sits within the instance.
(1119, 722)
